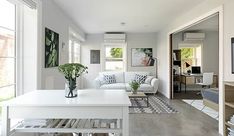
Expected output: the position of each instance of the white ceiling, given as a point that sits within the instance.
(99, 16)
(210, 24)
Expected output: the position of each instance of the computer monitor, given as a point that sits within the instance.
(196, 70)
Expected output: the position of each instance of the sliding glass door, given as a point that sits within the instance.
(7, 50)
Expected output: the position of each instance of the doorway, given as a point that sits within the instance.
(194, 51)
(194, 48)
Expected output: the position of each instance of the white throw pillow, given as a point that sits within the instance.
(148, 79)
(102, 81)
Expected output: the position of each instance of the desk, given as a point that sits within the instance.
(192, 79)
(52, 104)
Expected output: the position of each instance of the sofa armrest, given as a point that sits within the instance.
(97, 82)
(155, 83)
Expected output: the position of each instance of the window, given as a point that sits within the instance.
(7, 51)
(114, 58)
(74, 51)
(190, 55)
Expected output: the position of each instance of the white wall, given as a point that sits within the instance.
(210, 49)
(200, 10)
(147, 40)
(29, 50)
(210, 61)
(95, 41)
(55, 19)
(228, 33)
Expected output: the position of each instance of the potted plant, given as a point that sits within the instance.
(134, 86)
(71, 71)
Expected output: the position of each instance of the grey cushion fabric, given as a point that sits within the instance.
(211, 94)
(140, 78)
(109, 79)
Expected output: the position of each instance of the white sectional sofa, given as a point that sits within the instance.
(124, 78)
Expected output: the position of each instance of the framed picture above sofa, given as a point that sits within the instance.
(142, 57)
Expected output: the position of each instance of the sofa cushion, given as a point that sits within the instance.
(142, 88)
(148, 79)
(113, 86)
(130, 76)
(119, 76)
(140, 78)
(109, 79)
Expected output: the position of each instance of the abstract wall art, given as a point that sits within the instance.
(142, 57)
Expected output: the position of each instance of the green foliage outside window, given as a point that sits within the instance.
(116, 52)
(187, 53)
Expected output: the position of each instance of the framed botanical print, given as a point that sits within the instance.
(51, 48)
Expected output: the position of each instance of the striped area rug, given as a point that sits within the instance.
(156, 106)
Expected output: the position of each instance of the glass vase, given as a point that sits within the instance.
(70, 88)
(134, 91)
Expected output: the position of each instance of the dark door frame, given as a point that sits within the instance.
(170, 64)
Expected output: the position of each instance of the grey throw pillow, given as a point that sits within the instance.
(109, 79)
(140, 78)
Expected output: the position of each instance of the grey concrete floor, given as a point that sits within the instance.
(188, 122)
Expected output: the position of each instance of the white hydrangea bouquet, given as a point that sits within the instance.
(71, 71)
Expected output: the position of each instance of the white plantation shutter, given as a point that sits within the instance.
(30, 3)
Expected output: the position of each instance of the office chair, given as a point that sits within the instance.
(207, 80)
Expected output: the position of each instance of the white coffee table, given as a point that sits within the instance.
(52, 104)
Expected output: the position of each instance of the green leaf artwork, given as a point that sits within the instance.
(51, 48)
